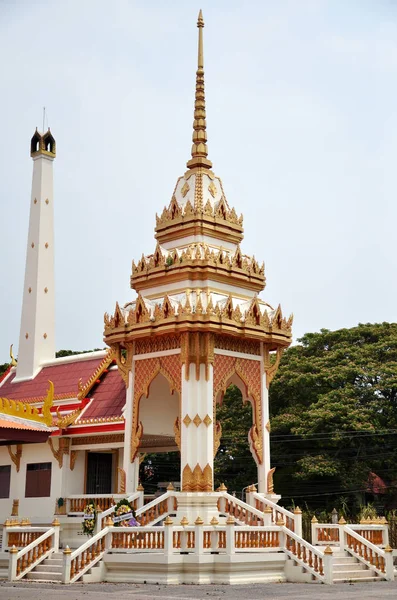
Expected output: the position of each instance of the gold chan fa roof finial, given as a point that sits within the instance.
(199, 147)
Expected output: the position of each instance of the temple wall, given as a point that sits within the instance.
(38, 510)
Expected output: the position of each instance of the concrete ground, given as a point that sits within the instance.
(123, 591)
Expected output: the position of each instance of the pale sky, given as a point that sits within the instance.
(302, 129)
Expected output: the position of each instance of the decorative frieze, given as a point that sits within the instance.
(89, 440)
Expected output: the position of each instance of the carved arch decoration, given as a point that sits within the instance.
(15, 457)
(63, 448)
(146, 371)
(271, 368)
(123, 358)
(249, 372)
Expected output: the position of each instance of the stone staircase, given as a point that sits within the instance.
(48, 570)
(348, 569)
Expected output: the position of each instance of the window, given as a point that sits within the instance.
(38, 480)
(5, 477)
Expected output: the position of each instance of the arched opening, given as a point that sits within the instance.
(234, 464)
(35, 143)
(161, 462)
(49, 143)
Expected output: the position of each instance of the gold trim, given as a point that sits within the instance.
(270, 485)
(217, 436)
(197, 420)
(272, 368)
(122, 480)
(63, 448)
(267, 427)
(198, 480)
(88, 440)
(16, 458)
(187, 420)
(207, 420)
(177, 433)
(73, 456)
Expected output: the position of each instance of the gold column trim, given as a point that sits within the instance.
(187, 420)
(197, 420)
(198, 479)
(217, 436)
(207, 420)
(271, 369)
(270, 485)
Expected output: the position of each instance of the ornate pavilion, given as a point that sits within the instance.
(196, 325)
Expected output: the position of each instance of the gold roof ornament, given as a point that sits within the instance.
(13, 359)
(199, 147)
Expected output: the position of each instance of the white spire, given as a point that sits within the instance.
(37, 334)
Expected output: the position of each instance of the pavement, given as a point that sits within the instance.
(129, 591)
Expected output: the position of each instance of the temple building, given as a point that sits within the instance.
(73, 430)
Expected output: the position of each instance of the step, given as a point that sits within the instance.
(349, 567)
(48, 568)
(52, 561)
(345, 560)
(44, 576)
(360, 580)
(356, 574)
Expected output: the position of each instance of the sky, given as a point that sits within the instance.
(302, 129)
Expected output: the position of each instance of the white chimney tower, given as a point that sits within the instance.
(37, 334)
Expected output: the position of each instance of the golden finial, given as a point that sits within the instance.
(13, 361)
(199, 147)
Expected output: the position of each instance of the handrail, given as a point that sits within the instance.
(36, 552)
(84, 558)
(289, 516)
(367, 553)
(153, 512)
(247, 507)
(307, 556)
(109, 511)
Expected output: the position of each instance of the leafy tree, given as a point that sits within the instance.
(3, 368)
(334, 412)
(234, 464)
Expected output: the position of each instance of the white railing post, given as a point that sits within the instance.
(12, 564)
(170, 504)
(267, 516)
(342, 534)
(214, 534)
(385, 532)
(66, 564)
(314, 531)
(4, 541)
(56, 525)
(168, 536)
(230, 543)
(98, 522)
(141, 500)
(389, 567)
(298, 521)
(198, 536)
(328, 566)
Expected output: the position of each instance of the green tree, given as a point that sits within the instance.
(3, 368)
(334, 412)
(234, 465)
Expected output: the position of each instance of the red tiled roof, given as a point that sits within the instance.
(108, 398)
(64, 376)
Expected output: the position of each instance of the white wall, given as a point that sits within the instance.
(159, 411)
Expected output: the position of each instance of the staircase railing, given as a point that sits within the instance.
(292, 521)
(307, 556)
(76, 563)
(23, 561)
(329, 533)
(241, 511)
(378, 559)
(158, 509)
(135, 499)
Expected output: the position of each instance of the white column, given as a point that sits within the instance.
(131, 469)
(37, 333)
(197, 447)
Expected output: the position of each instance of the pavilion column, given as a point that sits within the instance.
(131, 468)
(197, 442)
(265, 474)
